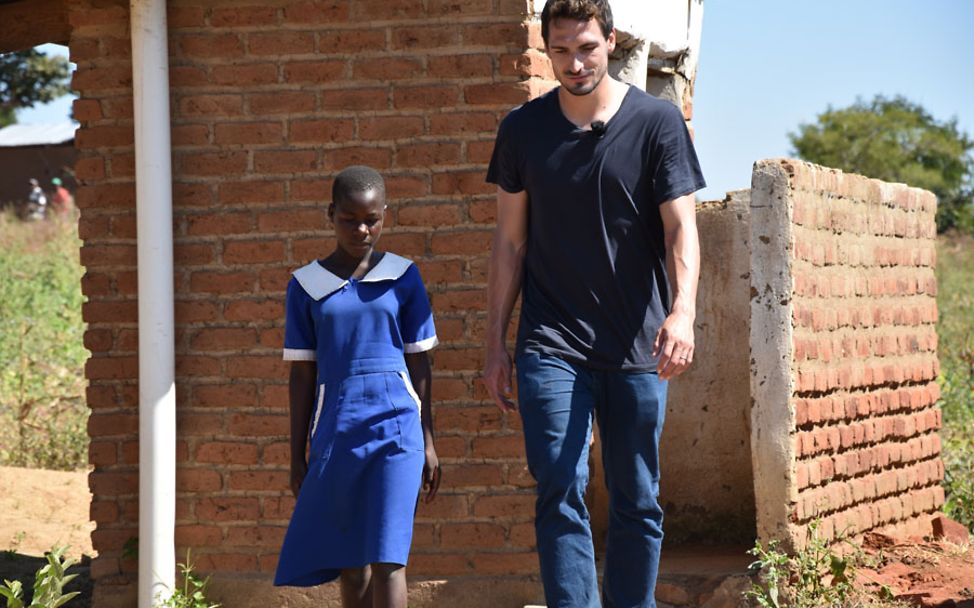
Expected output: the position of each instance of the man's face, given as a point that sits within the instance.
(579, 53)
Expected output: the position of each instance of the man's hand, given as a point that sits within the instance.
(674, 345)
(299, 470)
(431, 474)
(497, 378)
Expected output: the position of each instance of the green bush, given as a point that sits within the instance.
(43, 415)
(955, 330)
(48, 584)
(192, 593)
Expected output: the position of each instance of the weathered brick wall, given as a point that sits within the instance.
(844, 347)
(269, 101)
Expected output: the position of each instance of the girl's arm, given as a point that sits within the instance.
(301, 392)
(418, 365)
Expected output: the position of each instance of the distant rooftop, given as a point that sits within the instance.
(47, 134)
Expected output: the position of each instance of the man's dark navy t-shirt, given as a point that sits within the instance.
(595, 288)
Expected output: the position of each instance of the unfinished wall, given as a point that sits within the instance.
(844, 353)
(709, 497)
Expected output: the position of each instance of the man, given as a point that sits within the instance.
(596, 230)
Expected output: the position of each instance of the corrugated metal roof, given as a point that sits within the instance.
(37, 135)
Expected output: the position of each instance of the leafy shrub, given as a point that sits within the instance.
(43, 416)
(48, 584)
(192, 594)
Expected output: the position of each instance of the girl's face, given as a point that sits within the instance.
(358, 221)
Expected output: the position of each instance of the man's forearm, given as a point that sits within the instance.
(683, 267)
(503, 285)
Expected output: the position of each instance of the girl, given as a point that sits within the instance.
(357, 330)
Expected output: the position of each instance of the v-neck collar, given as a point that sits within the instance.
(575, 128)
(318, 281)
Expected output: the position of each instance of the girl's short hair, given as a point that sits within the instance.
(356, 178)
(579, 10)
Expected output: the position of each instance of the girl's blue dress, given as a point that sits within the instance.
(357, 503)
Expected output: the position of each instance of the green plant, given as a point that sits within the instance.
(955, 331)
(49, 584)
(192, 593)
(43, 416)
(814, 577)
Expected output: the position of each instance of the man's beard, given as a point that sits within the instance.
(580, 89)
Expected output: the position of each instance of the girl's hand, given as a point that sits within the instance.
(298, 471)
(431, 474)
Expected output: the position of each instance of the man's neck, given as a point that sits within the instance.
(601, 104)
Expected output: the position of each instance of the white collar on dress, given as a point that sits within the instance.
(319, 282)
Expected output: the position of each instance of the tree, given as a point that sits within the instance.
(28, 77)
(899, 141)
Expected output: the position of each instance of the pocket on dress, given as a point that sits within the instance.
(318, 408)
(406, 403)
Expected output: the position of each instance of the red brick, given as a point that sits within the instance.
(220, 223)
(445, 507)
(192, 195)
(184, 77)
(198, 536)
(257, 367)
(428, 154)
(505, 563)
(405, 186)
(321, 131)
(387, 68)
(463, 243)
(376, 98)
(479, 152)
(315, 72)
(281, 102)
(267, 481)
(376, 157)
(232, 395)
(108, 255)
(211, 105)
(471, 535)
(248, 133)
(324, 12)
(276, 454)
(244, 75)
(408, 244)
(223, 338)
(226, 452)
(110, 312)
(459, 7)
(495, 93)
(428, 215)
(227, 509)
(277, 508)
(351, 42)
(269, 537)
(390, 127)
(209, 46)
(367, 10)
(238, 16)
(223, 282)
(425, 37)
(104, 484)
(103, 136)
(182, 136)
(184, 16)
(425, 97)
(281, 43)
(285, 161)
(439, 564)
(263, 425)
(292, 220)
(102, 78)
(221, 163)
(461, 182)
(462, 123)
(473, 475)
(461, 66)
(251, 310)
(193, 254)
(519, 506)
(249, 192)
(198, 425)
(500, 446)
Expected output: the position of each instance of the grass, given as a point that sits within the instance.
(43, 416)
(955, 330)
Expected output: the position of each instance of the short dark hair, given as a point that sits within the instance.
(356, 178)
(579, 10)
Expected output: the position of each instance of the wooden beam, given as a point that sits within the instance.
(27, 23)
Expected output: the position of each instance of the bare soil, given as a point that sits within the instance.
(40, 510)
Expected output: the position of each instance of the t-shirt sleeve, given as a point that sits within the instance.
(416, 318)
(300, 343)
(677, 170)
(505, 167)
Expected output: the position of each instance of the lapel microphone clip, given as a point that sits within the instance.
(598, 128)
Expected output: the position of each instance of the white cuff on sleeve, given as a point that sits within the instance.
(421, 346)
(300, 354)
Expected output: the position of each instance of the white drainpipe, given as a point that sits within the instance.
(157, 384)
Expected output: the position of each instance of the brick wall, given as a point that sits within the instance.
(844, 349)
(269, 101)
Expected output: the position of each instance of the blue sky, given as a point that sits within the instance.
(767, 66)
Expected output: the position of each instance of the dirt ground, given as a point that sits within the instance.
(923, 572)
(40, 509)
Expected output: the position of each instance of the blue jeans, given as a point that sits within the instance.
(557, 400)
